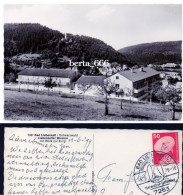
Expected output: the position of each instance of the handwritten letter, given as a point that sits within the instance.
(53, 163)
(86, 162)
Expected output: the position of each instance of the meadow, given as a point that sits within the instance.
(57, 107)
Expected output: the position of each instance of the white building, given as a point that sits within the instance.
(30, 78)
(169, 65)
(136, 83)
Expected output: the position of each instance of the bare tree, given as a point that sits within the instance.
(27, 83)
(59, 84)
(34, 85)
(106, 89)
(84, 87)
(38, 84)
(120, 93)
(19, 84)
(130, 93)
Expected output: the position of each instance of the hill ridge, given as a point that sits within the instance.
(159, 52)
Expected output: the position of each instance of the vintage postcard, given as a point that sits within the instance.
(92, 62)
(92, 162)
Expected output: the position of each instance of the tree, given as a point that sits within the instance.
(172, 80)
(120, 93)
(9, 73)
(59, 84)
(130, 93)
(10, 77)
(84, 87)
(153, 88)
(28, 83)
(54, 60)
(170, 94)
(161, 95)
(49, 84)
(19, 84)
(36, 90)
(106, 89)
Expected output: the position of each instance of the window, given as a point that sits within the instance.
(117, 86)
(117, 94)
(117, 77)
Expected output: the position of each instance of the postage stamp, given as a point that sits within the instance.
(152, 179)
(163, 144)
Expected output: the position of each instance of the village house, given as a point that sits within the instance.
(170, 65)
(162, 75)
(89, 83)
(136, 83)
(174, 75)
(165, 83)
(30, 78)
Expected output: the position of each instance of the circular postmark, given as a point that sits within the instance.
(155, 179)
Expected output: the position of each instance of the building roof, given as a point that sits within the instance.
(138, 75)
(99, 80)
(63, 73)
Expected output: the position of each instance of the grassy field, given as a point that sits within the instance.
(23, 106)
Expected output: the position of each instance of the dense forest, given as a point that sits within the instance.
(35, 38)
(154, 53)
(23, 38)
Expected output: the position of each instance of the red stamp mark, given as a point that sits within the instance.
(163, 144)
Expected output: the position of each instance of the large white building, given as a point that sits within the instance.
(136, 83)
(31, 77)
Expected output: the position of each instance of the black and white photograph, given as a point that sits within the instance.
(92, 62)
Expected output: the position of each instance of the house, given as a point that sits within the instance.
(175, 75)
(162, 75)
(30, 78)
(170, 65)
(91, 83)
(178, 85)
(136, 83)
(165, 83)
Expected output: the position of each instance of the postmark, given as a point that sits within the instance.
(155, 179)
(166, 143)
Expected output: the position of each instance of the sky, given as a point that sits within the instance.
(117, 25)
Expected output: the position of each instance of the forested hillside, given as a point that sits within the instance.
(23, 38)
(154, 53)
(34, 38)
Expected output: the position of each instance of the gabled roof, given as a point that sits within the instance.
(98, 80)
(47, 72)
(138, 75)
